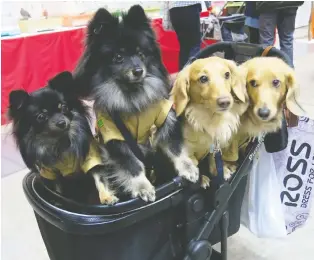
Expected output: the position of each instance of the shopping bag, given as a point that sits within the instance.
(280, 186)
(261, 209)
(295, 172)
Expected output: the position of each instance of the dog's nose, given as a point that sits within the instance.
(62, 124)
(223, 102)
(138, 72)
(263, 113)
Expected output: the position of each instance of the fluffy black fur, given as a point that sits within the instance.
(49, 122)
(113, 51)
(122, 70)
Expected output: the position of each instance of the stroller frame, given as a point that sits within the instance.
(76, 231)
(221, 23)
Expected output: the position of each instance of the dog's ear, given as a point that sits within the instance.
(18, 99)
(63, 83)
(179, 93)
(238, 80)
(136, 17)
(103, 24)
(292, 94)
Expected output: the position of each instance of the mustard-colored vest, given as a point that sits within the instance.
(139, 125)
(69, 165)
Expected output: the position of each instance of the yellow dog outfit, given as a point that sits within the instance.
(139, 124)
(69, 164)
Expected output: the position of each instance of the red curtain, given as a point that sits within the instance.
(28, 62)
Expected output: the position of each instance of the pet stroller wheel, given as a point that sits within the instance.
(200, 250)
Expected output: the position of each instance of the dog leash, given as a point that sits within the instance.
(218, 161)
(266, 51)
(216, 147)
(131, 142)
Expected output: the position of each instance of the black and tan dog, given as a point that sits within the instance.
(122, 71)
(52, 131)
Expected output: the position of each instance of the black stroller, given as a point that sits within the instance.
(183, 223)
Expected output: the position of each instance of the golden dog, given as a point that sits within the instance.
(210, 95)
(270, 83)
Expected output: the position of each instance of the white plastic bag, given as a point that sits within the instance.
(295, 172)
(261, 209)
(281, 185)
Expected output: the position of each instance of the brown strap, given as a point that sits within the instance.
(266, 51)
(291, 119)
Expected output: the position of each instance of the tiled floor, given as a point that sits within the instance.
(21, 238)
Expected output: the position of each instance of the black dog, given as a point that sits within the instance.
(52, 131)
(121, 69)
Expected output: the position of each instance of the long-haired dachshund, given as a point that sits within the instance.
(270, 84)
(210, 96)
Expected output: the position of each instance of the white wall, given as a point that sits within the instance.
(11, 10)
(303, 15)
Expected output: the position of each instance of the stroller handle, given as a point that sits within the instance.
(233, 48)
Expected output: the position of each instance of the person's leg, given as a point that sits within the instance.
(184, 50)
(254, 35)
(267, 25)
(286, 26)
(186, 23)
(196, 30)
(178, 26)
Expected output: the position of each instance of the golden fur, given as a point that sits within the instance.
(260, 75)
(204, 121)
(264, 71)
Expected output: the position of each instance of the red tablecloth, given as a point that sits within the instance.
(28, 62)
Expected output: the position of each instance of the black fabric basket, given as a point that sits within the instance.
(182, 223)
(232, 28)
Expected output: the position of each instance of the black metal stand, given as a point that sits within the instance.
(224, 223)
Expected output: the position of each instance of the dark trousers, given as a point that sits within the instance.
(254, 35)
(186, 23)
(284, 20)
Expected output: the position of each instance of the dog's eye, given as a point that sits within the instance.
(118, 58)
(253, 83)
(227, 75)
(276, 83)
(203, 79)
(41, 118)
(64, 109)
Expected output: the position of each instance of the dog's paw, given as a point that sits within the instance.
(232, 168)
(187, 169)
(205, 182)
(107, 198)
(227, 173)
(141, 187)
(229, 170)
